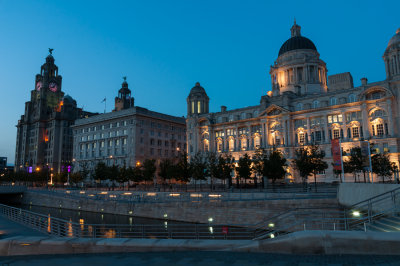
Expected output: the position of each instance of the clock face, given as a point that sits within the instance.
(53, 86)
(39, 85)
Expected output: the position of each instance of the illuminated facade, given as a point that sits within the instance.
(44, 136)
(304, 106)
(127, 136)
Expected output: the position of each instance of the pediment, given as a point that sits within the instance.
(274, 109)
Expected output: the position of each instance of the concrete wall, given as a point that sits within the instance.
(304, 242)
(352, 193)
(222, 212)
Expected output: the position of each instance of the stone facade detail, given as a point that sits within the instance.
(305, 106)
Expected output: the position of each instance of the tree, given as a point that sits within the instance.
(309, 161)
(382, 166)
(274, 166)
(212, 167)
(84, 170)
(355, 162)
(149, 169)
(199, 167)
(244, 169)
(259, 159)
(183, 169)
(226, 166)
(76, 177)
(101, 172)
(166, 171)
(123, 175)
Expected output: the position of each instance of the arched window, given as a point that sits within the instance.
(219, 145)
(231, 143)
(333, 101)
(352, 98)
(230, 118)
(316, 104)
(299, 107)
(257, 142)
(206, 146)
(378, 113)
(243, 144)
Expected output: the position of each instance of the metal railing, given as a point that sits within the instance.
(63, 228)
(369, 210)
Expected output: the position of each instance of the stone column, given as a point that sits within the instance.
(365, 123)
(390, 118)
(237, 140)
(326, 129)
(308, 130)
(263, 140)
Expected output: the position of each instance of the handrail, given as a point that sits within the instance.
(366, 200)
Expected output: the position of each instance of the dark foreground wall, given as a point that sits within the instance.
(304, 242)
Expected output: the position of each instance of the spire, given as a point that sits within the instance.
(295, 30)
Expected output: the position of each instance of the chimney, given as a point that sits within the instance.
(364, 81)
(223, 108)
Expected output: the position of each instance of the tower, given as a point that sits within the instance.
(44, 136)
(124, 99)
(391, 57)
(197, 101)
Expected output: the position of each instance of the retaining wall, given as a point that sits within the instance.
(222, 212)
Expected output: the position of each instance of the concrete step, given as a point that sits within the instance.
(387, 225)
(375, 228)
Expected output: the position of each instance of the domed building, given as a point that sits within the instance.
(304, 106)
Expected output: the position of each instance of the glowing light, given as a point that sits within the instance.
(272, 235)
(49, 224)
(210, 219)
(91, 195)
(127, 193)
(82, 192)
(174, 194)
(196, 195)
(356, 214)
(215, 195)
(165, 215)
(211, 230)
(67, 191)
(104, 192)
(37, 169)
(271, 225)
(130, 212)
(152, 194)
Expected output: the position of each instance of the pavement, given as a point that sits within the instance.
(9, 228)
(199, 258)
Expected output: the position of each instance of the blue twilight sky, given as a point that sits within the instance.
(164, 47)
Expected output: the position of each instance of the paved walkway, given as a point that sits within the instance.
(9, 228)
(198, 258)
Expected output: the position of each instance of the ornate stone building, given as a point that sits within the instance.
(304, 106)
(127, 136)
(44, 136)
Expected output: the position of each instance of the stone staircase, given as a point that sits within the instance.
(385, 224)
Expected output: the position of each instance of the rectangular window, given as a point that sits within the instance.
(318, 136)
(379, 130)
(336, 133)
(301, 138)
(356, 132)
(198, 107)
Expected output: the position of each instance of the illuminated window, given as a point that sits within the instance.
(301, 138)
(335, 118)
(243, 144)
(277, 140)
(385, 147)
(257, 142)
(219, 146)
(336, 133)
(198, 107)
(379, 130)
(231, 144)
(356, 132)
(192, 107)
